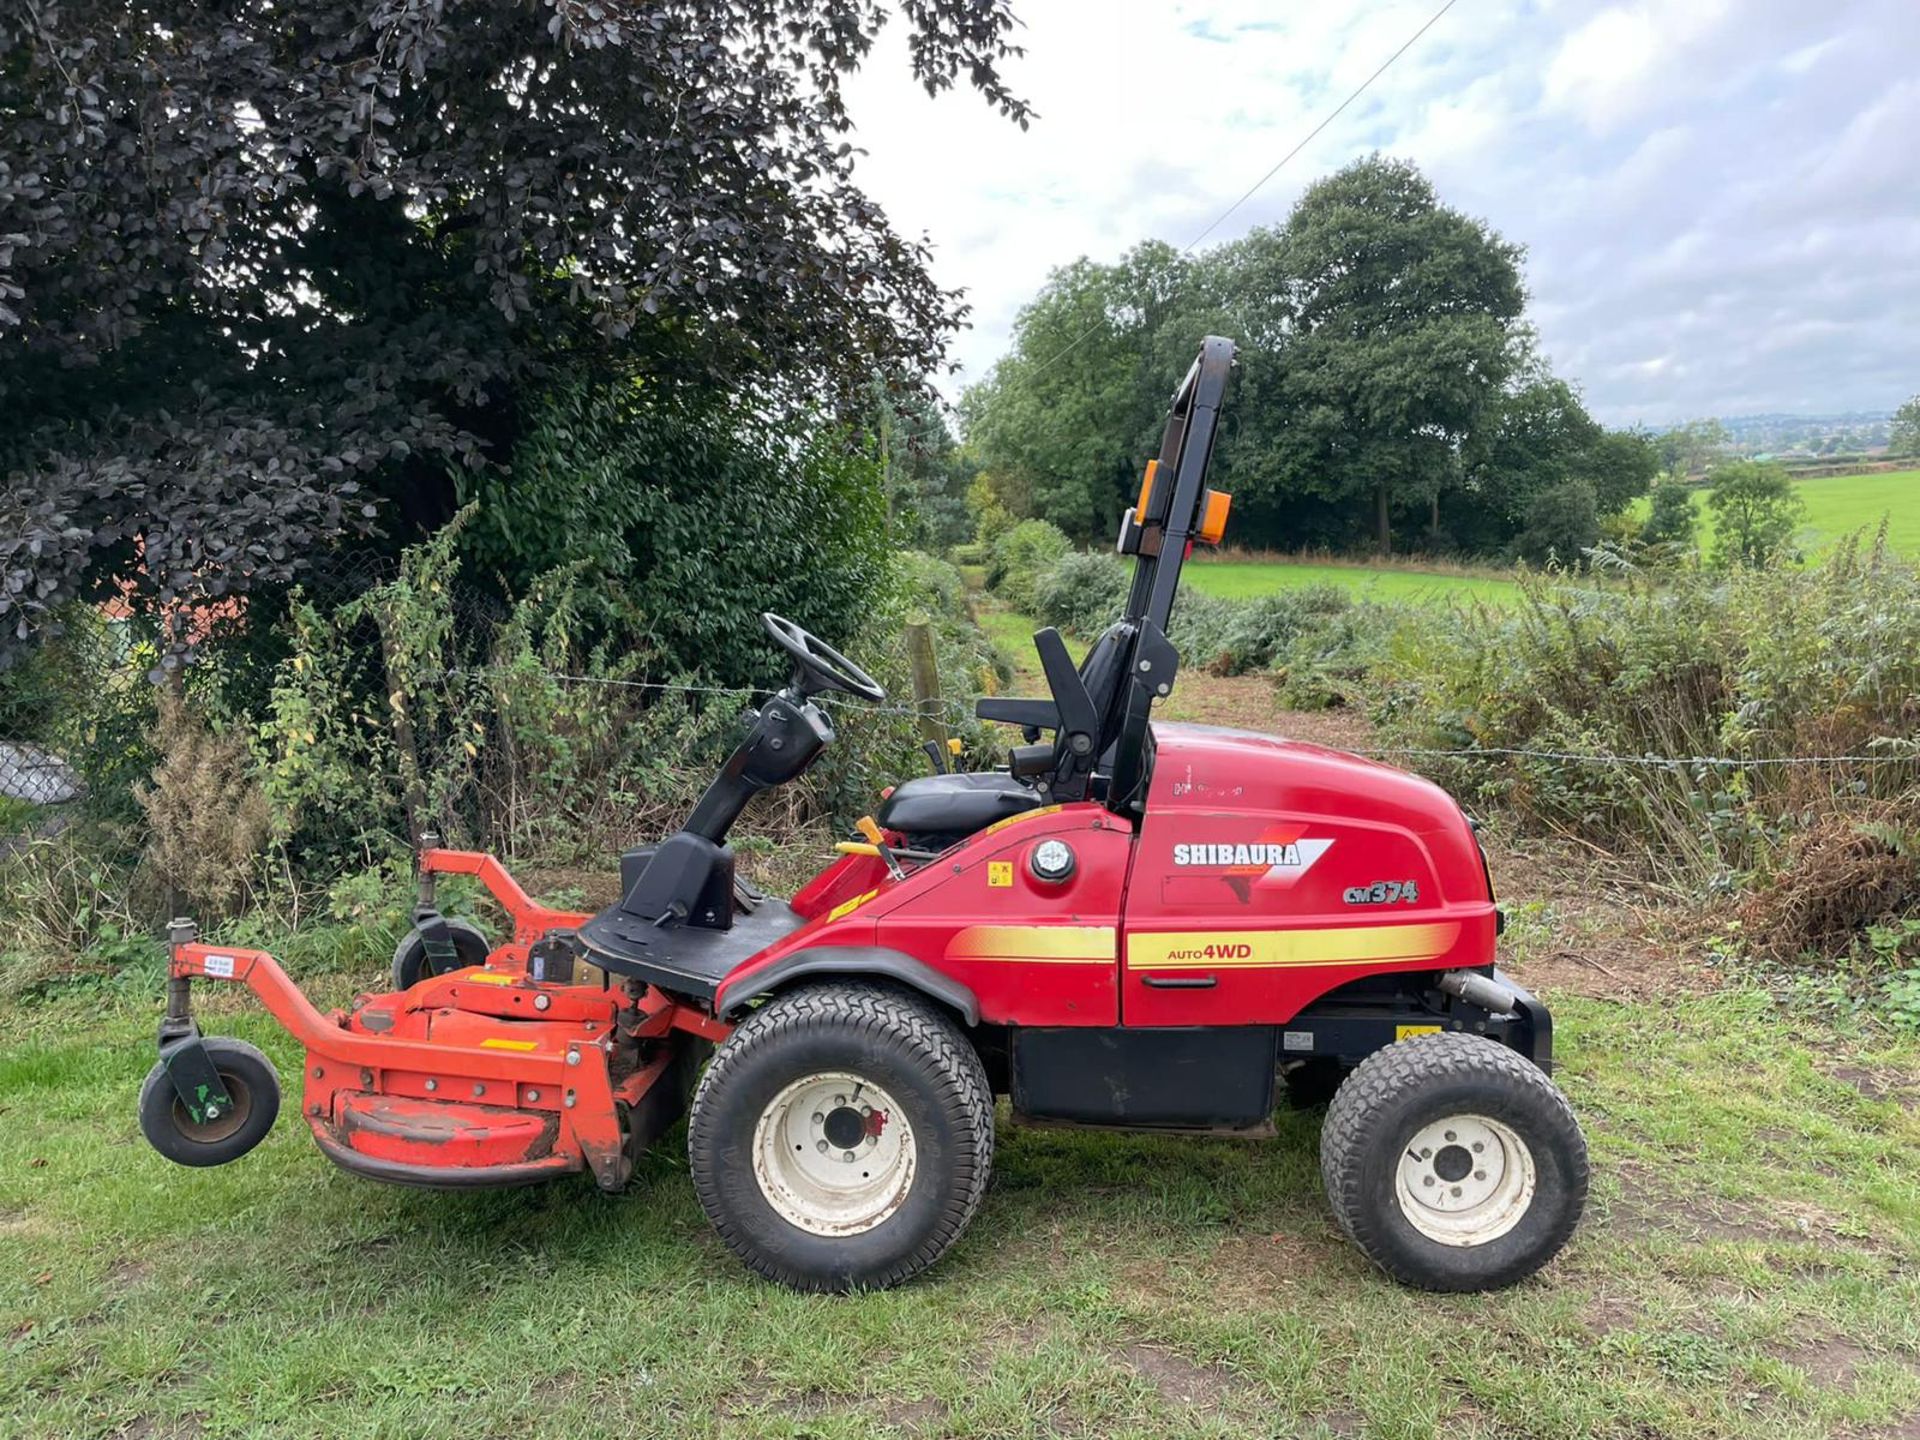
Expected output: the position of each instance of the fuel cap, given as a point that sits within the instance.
(1052, 860)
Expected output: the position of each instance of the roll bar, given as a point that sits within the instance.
(1099, 712)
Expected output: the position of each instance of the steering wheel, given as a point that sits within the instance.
(817, 665)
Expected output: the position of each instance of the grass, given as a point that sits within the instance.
(1841, 505)
(1748, 1267)
(1244, 578)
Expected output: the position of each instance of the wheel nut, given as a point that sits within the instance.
(822, 1147)
(848, 1157)
(1456, 1190)
(1478, 1146)
(1449, 1137)
(1479, 1174)
(818, 1118)
(1426, 1180)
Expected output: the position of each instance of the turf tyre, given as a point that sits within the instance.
(1396, 1092)
(251, 1081)
(909, 1048)
(410, 963)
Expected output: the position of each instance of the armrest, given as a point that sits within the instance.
(1008, 710)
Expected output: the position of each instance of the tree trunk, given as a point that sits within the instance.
(1382, 530)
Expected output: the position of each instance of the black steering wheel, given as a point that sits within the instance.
(817, 665)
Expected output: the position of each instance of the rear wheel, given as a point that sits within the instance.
(842, 1137)
(1454, 1163)
(252, 1085)
(412, 964)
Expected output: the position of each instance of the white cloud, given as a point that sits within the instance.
(1719, 201)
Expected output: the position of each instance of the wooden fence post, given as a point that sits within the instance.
(926, 683)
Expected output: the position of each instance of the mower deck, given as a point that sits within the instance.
(482, 1076)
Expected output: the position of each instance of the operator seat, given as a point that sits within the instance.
(935, 811)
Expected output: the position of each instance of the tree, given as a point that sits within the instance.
(1691, 447)
(1903, 438)
(1756, 511)
(268, 273)
(1404, 327)
(1670, 517)
(1562, 523)
(1063, 422)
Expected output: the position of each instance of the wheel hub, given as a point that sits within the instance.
(833, 1154)
(1464, 1180)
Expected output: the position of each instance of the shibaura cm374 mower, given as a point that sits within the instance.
(1134, 925)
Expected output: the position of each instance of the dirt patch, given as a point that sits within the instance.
(1580, 925)
(1879, 1085)
(126, 1275)
(148, 1428)
(1604, 1314)
(916, 1417)
(1829, 1363)
(1178, 1379)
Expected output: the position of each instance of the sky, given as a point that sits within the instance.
(1719, 199)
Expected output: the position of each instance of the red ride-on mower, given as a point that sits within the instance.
(1133, 925)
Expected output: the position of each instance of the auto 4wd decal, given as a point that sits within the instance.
(1274, 859)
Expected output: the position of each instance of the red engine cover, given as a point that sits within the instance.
(1268, 872)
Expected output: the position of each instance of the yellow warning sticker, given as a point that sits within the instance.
(1000, 874)
(1402, 1032)
(495, 1043)
(491, 977)
(847, 907)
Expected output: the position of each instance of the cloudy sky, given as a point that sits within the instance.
(1720, 199)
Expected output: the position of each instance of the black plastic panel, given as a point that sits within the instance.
(1186, 1077)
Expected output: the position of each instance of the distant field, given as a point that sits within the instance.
(1241, 579)
(1838, 505)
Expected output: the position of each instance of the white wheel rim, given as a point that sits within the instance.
(834, 1154)
(1464, 1180)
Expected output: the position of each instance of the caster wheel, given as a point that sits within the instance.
(1454, 1163)
(252, 1084)
(412, 964)
(842, 1137)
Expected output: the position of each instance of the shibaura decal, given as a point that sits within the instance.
(1277, 857)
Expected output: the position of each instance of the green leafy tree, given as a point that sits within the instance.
(1692, 447)
(1670, 516)
(1756, 510)
(1562, 524)
(269, 273)
(1064, 420)
(1904, 436)
(1404, 327)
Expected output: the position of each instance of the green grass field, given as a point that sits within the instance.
(1242, 579)
(1748, 1267)
(1841, 505)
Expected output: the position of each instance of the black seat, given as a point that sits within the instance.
(943, 808)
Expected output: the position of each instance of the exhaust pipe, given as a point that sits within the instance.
(1482, 990)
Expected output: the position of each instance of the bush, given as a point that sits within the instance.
(206, 817)
(1083, 593)
(1670, 518)
(1021, 558)
(683, 521)
(1644, 685)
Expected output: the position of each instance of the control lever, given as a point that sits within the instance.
(876, 837)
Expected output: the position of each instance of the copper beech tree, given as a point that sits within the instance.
(270, 271)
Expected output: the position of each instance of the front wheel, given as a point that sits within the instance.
(252, 1085)
(1454, 1163)
(842, 1137)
